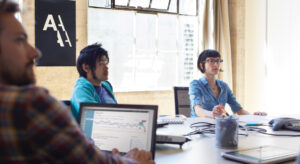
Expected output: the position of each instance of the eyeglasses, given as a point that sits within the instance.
(103, 62)
(212, 61)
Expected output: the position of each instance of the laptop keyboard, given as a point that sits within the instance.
(171, 120)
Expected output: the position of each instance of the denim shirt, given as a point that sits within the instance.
(201, 94)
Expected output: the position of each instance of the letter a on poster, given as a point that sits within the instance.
(55, 32)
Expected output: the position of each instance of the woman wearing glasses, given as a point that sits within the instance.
(208, 95)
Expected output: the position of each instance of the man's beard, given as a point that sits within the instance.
(19, 79)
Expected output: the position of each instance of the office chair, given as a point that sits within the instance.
(67, 103)
(182, 101)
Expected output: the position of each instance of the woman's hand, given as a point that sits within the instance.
(217, 110)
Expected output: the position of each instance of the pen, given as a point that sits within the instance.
(253, 124)
(223, 110)
(228, 122)
(226, 113)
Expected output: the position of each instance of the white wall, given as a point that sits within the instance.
(283, 57)
(255, 51)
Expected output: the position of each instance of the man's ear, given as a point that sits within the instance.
(85, 67)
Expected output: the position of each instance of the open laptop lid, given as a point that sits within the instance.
(119, 126)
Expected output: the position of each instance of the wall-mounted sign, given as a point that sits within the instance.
(55, 32)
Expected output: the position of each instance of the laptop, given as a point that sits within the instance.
(119, 126)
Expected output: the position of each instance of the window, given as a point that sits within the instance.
(18, 15)
(188, 7)
(182, 7)
(101, 3)
(147, 51)
(189, 38)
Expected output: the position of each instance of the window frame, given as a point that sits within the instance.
(147, 10)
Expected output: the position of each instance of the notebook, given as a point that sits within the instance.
(119, 126)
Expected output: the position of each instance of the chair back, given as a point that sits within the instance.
(67, 103)
(182, 101)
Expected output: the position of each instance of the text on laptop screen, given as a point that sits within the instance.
(123, 129)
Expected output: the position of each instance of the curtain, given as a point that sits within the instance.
(222, 39)
(216, 33)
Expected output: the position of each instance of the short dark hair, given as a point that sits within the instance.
(89, 55)
(205, 54)
(7, 6)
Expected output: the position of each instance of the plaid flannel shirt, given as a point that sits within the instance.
(36, 128)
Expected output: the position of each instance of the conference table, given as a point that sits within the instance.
(202, 147)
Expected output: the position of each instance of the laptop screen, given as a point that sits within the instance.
(119, 126)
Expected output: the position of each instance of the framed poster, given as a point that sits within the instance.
(55, 32)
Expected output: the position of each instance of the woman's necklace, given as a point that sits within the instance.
(215, 90)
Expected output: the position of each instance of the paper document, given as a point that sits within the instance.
(254, 118)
